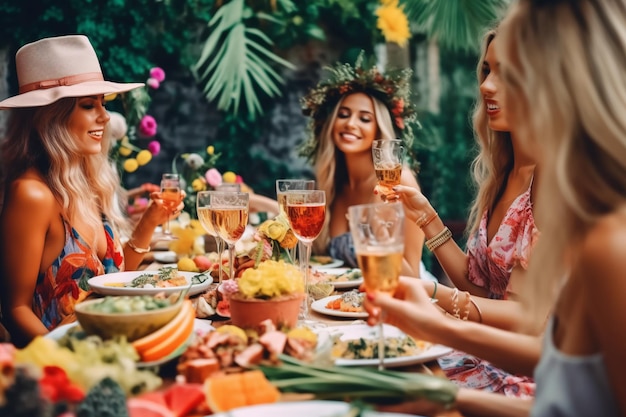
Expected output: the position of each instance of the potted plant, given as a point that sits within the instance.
(273, 290)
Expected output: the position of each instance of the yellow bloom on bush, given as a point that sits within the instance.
(393, 23)
(143, 157)
(124, 151)
(230, 177)
(210, 150)
(199, 184)
(271, 279)
(131, 165)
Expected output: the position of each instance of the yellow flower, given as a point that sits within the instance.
(110, 97)
(230, 177)
(124, 151)
(199, 184)
(143, 157)
(289, 241)
(210, 150)
(131, 165)
(271, 279)
(393, 22)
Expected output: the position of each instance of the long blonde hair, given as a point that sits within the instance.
(565, 63)
(331, 172)
(84, 186)
(494, 161)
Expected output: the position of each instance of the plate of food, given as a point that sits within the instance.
(357, 345)
(341, 278)
(166, 280)
(314, 408)
(348, 304)
(321, 261)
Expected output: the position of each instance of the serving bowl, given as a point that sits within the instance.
(132, 324)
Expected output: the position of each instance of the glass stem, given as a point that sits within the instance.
(166, 226)
(219, 247)
(381, 346)
(231, 260)
(304, 262)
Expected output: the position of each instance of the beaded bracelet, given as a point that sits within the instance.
(138, 249)
(455, 303)
(439, 239)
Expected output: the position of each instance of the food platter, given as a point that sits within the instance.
(302, 409)
(350, 283)
(323, 262)
(320, 307)
(356, 331)
(109, 284)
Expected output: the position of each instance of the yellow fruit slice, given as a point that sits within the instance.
(177, 337)
(234, 330)
(164, 332)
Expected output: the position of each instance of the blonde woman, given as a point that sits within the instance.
(564, 61)
(349, 110)
(60, 224)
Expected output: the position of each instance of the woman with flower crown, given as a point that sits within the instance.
(349, 111)
(60, 223)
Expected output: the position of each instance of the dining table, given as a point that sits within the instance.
(430, 367)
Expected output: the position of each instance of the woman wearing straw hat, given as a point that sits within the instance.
(60, 221)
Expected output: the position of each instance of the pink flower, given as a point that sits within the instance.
(238, 179)
(213, 177)
(399, 122)
(147, 126)
(158, 74)
(153, 83)
(154, 147)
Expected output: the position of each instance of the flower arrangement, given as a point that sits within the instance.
(270, 279)
(392, 22)
(273, 235)
(135, 125)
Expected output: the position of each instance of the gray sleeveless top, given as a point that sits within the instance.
(571, 385)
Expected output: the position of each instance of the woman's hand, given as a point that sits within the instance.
(416, 205)
(410, 309)
(157, 213)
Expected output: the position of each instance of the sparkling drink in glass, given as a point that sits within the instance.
(203, 209)
(388, 155)
(171, 196)
(378, 234)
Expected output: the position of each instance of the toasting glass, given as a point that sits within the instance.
(282, 188)
(378, 234)
(203, 208)
(306, 211)
(229, 216)
(171, 196)
(388, 155)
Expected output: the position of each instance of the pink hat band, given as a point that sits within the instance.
(64, 81)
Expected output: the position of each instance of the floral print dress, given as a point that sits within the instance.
(64, 283)
(490, 267)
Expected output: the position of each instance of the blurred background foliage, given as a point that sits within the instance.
(240, 60)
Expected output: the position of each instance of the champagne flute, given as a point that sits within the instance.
(171, 196)
(282, 188)
(203, 208)
(388, 155)
(229, 216)
(378, 234)
(306, 211)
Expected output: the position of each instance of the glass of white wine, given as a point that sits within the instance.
(203, 208)
(378, 234)
(171, 196)
(388, 156)
(229, 217)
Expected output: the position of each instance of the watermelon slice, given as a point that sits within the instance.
(183, 398)
(138, 407)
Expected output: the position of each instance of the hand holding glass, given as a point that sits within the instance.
(378, 234)
(388, 155)
(171, 196)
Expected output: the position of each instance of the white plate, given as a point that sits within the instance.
(342, 284)
(165, 257)
(356, 331)
(333, 264)
(200, 327)
(98, 284)
(301, 409)
(320, 307)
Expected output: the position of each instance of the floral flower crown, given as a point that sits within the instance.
(392, 88)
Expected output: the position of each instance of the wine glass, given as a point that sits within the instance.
(388, 155)
(229, 217)
(306, 211)
(378, 234)
(203, 209)
(228, 186)
(282, 188)
(171, 196)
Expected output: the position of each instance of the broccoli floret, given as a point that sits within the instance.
(105, 399)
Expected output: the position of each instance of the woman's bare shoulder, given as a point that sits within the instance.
(31, 189)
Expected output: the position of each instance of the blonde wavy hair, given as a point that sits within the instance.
(565, 63)
(331, 172)
(494, 161)
(85, 186)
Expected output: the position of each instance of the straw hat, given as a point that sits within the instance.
(53, 68)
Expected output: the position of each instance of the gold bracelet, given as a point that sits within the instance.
(422, 222)
(138, 249)
(466, 307)
(455, 303)
(480, 313)
(439, 239)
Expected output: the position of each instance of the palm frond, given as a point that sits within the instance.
(456, 24)
(234, 65)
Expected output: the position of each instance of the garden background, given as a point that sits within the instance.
(235, 72)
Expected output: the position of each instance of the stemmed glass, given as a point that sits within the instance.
(171, 196)
(203, 208)
(388, 155)
(229, 216)
(306, 211)
(228, 186)
(378, 234)
(282, 188)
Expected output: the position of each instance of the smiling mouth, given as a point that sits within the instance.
(96, 133)
(492, 107)
(349, 136)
